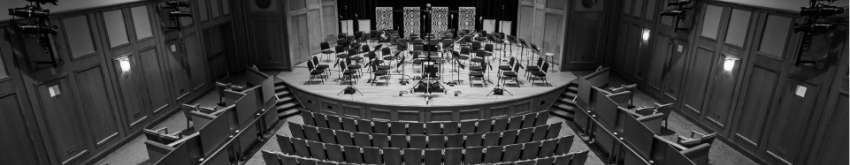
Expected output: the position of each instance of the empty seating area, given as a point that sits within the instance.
(224, 133)
(352, 124)
(628, 134)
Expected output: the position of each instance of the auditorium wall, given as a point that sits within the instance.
(733, 71)
(119, 71)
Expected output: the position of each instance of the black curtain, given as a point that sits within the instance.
(486, 9)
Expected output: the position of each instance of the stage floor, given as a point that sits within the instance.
(388, 93)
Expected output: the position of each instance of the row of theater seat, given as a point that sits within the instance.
(578, 158)
(472, 126)
(393, 155)
(425, 141)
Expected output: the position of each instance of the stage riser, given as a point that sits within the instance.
(515, 107)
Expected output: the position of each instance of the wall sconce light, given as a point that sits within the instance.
(645, 34)
(729, 63)
(124, 64)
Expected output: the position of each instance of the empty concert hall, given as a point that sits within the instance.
(424, 82)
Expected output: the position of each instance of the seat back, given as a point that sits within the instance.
(493, 154)
(528, 120)
(271, 158)
(453, 156)
(380, 140)
(541, 118)
(508, 137)
(334, 152)
(285, 145)
(581, 157)
(500, 125)
(491, 138)
(412, 156)
(515, 123)
(525, 135)
(418, 141)
(547, 148)
(392, 156)
(353, 154)
(433, 156)
(398, 128)
(343, 138)
(546, 161)
(554, 130)
(473, 140)
(321, 120)
(381, 127)
(371, 155)
(362, 139)
(327, 135)
(434, 128)
(415, 128)
(334, 122)
(317, 150)
(399, 141)
(296, 130)
(539, 133)
(454, 140)
(324, 46)
(307, 117)
(512, 152)
(300, 147)
(530, 149)
(472, 155)
(436, 141)
(349, 125)
(564, 145)
(364, 126)
(450, 128)
(484, 126)
(467, 126)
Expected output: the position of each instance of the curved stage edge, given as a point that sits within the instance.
(389, 107)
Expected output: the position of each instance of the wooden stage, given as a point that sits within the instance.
(384, 97)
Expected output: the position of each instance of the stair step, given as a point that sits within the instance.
(570, 95)
(285, 99)
(572, 87)
(286, 106)
(568, 101)
(566, 107)
(285, 113)
(282, 94)
(562, 114)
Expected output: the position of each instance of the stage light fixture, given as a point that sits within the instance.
(821, 10)
(678, 11)
(645, 34)
(32, 18)
(124, 64)
(673, 12)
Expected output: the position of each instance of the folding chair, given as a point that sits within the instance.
(493, 154)
(317, 150)
(399, 141)
(418, 141)
(515, 123)
(372, 155)
(398, 128)
(473, 140)
(364, 126)
(472, 155)
(362, 139)
(541, 74)
(412, 156)
(296, 130)
(450, 127)
(434, 128)
(530, 149)
(433, 156)
(491, 138)
(391, 155)
(327, 135)
(539, 132)
(554, 130)
(467, 126)
(334, 123)
(335, 152)
(308, 118)
(528, 120)
(436, 141)
(500, 124)
(380, 127)
(416, 128)
(547, 148)
(353, 155)
(512, 152)
(343, 138)
(311, 133)
(525, 135)
(454, 140)
(300, 147)
(380, 140)
(314, 72)
(285, 145)
(349, 125)
(564, 145)
(508, 137)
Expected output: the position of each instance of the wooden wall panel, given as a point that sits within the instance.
(739, 22)
(79, 35)
(775, 36)
(67, 138)
(788, 119)
(759, 94)
(833, 143)
(142, 22)
(721, 92)
(553, 41)
(301, 39)
(177, 70)
(697, 78)
(711, 21)
(657, 61)
(116, 28)
(330, 18)
(15, 139)
(97, 106)
(197, 61)
(150, 63)
(314, 26)
(672, 76)
(130, 87)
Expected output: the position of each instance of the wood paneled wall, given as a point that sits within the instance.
(568, 29)
(762, 105)
(119, 73)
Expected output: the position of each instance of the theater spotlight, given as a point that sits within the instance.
(679, 2)
(814, 27)
(32, 18)
(673, 12)
(821, 10)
